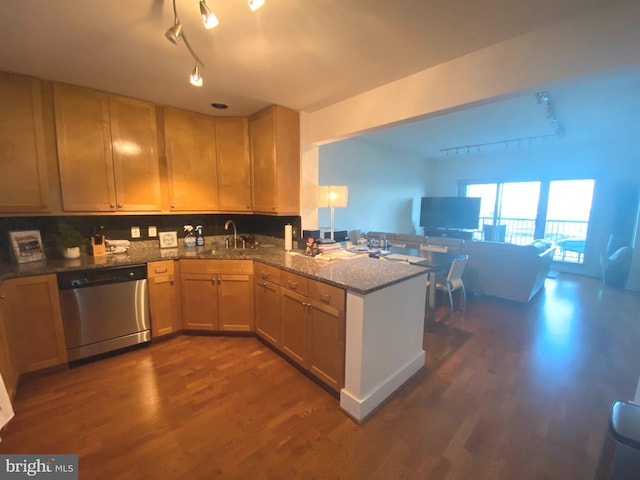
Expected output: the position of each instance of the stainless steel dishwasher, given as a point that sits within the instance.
(104, 309)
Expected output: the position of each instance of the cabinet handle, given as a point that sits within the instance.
(164, 270)
(111, 205)
(119, 205)
(173, 205)
(3, 296)
(293, 285)
(264, 284)
(325, 298)
(273, 207)
(265, 274)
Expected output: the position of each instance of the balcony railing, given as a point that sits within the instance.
(521, 232)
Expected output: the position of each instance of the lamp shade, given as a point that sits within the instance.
(333, 196)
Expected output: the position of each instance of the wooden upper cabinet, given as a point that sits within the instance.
(234, 168)
(274, 137)
(134, 143)
(107, 151)
(83, 133)
(191, 160)
(24, 182)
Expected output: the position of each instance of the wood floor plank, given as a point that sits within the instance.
(526, 397)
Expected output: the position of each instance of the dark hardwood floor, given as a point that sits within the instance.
(526, 397)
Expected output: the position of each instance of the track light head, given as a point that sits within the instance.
(255, 4)
(196, 79)
(175, 32)
(209, 19)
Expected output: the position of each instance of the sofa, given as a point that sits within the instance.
(505, 270)
(502, 270)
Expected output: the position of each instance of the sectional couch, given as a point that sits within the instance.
(503, 270)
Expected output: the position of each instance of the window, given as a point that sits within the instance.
(519, 212)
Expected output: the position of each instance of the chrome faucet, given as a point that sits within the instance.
(235, 232)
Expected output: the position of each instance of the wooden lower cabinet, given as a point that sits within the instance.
(327, 326)
(217, 295)
(164, 298)
(294, 330)
(7, 370)
(235, 302)
(267, 310)
(31, 311)
(199, 298)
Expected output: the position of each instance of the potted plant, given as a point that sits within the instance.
(69, 240)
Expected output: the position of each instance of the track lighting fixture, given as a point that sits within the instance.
(175, 33)
(196, 79)
(209, 18)
(255, 4)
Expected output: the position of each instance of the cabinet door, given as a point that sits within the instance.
(267, 311)
(263, 161)
(163, 298)
(199, 298)
(135, 154)
(24, 183)
(83, 134)
(31, 307)
(293, 326)
(191, 160)
(274, 138)
(326, 350)
(9, 374)
(327, 333)
(235, 302)
(234, 180)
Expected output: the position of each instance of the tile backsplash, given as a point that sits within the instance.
(119, 226)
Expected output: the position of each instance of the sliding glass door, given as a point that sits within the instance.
(519, 212)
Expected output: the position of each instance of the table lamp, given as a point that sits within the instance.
(333, 197)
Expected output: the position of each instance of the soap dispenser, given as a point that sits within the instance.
(199, 236)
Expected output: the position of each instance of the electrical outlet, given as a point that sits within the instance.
(135, 232)
(152, 231)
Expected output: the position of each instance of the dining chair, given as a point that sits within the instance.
(434, 248)
(453, 281)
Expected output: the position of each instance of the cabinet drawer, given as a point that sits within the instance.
(266, 272)
(160, 269)
(327, 294)
(216, 266)
(294, 282)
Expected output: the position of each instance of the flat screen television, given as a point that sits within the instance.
(450, 212)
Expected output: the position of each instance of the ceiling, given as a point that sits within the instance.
(301, 54)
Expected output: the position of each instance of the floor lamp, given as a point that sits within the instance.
(333, 197)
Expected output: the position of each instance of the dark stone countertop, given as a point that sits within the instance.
(361, 275)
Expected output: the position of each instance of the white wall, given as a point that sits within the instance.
(385, 186)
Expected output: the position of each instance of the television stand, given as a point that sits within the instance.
(449, 233)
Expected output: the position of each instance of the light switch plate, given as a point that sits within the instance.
(152, 231)
(135, 232)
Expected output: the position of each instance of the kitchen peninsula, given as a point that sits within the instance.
(384, 313)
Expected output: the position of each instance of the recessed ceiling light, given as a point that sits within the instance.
(219, 106)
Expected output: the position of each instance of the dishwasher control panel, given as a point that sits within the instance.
(100, 276)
